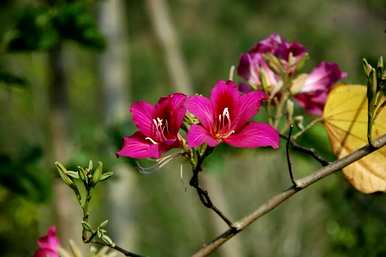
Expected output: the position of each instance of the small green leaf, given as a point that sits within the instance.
(63, 174)
(97, 173)
(106, 176)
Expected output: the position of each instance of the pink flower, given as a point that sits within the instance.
(225, 117)
(48, 244)
(158, 127)
(313, 94)
(252, 67)
(252, 64)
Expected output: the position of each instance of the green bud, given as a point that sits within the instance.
(106, 176)
(82, 174)
(106, 239)
(73, 174)
(366, 67)
(97, 173)
(63, 174)
(90, 165)
(86, 226)
(104, 223)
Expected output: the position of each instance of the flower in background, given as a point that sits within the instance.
(157, 125)
(254, 68)
(226, 117)
(312, 92)
(48, 244)
(289, 53)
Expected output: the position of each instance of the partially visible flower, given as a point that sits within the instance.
(48, 244)
(312, 94)
(289, 53)
(226, 117)
(254, 68)
(158, 127)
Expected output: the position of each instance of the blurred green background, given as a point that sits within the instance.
(70, 69)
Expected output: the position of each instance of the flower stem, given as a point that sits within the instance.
(203, 194)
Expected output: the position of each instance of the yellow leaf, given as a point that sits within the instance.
(345, 117)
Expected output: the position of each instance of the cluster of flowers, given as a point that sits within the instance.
(224, 117)
(270, 68)
(274, 62)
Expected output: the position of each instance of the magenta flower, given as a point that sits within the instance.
(313, 93)
(252, 64)
(282, 49)
(48, 244)
(158, 127)
(225, 117)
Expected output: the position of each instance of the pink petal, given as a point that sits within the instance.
(323, 77)
(255, 134)
(249, 106)
(179, 110)
(142, 114)
(137, 146)
(312, 102)
(49, 241)
(202, 108)
(198, 135)
(225, 94)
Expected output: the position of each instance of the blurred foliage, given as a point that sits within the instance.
(10, 79)
(44, 27)
(22, 175)
(357, 222)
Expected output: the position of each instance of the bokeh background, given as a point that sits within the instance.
(70, 69)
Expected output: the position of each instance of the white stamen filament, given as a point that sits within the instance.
(151, 140)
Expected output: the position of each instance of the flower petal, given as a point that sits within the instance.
(255, 134)
(49, 241)
(249, 106)
(225, 94)
(171, 108)
(312, 102)
(202, 108)
(198, 135)
(137, 146)
(322, 77)
(142, 114)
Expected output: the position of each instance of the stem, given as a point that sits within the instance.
(203, 194)
(310, 151)
(309, 125)
(119, 249)
(288, 157)
(279, 109)
(279, 198)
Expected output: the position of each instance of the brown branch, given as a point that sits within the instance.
(203, 194)
(276, 200)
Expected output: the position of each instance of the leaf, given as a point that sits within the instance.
(345, 118)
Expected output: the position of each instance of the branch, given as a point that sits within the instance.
(119, 249)
(310, 151)
(276, 200)
(203, 194)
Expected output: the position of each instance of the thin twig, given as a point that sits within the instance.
(203, 194)
(276, 200)
(119, 249)
(307, 150)
(289, 164)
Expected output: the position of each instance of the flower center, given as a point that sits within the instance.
(224, 124)
(161, 128)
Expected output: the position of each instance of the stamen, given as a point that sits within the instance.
(151, 140)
